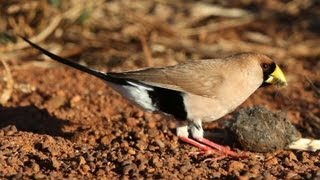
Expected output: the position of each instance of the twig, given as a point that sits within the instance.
(212, 27)
(316, 90)
(36, 39)
(7, 92)
(146, 51)
(223, 45)
(188, 45)
(206, 9)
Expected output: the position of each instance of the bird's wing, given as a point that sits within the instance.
(200, 78)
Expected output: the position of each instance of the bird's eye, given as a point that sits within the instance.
(265, 66)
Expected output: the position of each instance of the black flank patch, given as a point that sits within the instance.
(165, 100)
(169, 101)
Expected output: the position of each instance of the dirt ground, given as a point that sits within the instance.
(61, 123)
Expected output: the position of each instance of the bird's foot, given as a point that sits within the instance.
(223, 149)
(204, 149)
(208, 147)
(205, 152)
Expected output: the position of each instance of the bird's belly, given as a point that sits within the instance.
(207, 109)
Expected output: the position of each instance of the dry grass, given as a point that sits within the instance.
(121, 35)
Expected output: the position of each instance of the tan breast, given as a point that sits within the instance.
(237, 87)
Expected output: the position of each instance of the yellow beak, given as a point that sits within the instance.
(277, 77)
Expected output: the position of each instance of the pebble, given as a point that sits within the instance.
(131, 122)
(157, 162)
(236, 165)
(9, 130)
(271, 162)
(292, 175)
(141, 145)
(292, 156)
(131, 151)
(85, 168)
(56, 102)
(55, 163)
(153, 132)
(90, 158)
(82, 160)
(160, 143)
(35, 167)
(152, 124)
(130, 167)
(185, 168)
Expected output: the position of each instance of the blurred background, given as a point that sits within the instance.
(142, 33)
(62, 123)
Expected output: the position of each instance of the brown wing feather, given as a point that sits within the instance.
(200, 78)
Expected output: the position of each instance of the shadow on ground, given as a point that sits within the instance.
(32, 119)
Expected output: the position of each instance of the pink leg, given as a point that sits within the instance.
(196, 144)
(220, 148)
(205, 149)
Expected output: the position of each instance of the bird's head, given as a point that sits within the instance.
(257, 63)
(272, 74)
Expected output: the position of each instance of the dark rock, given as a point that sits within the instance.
(260, 130)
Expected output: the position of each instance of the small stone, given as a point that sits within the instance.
(152, 124)
(52, 151)
(128, 168)
(267, 175)
(156, 162)
(153, 148)
(142, 165)
(35, 167)
(55, 163)
(185, 169)
(292, 156)
(106, 140)
(150, 170)
(255, 169)
(100, 172)
(153, 132)
(39, 176)
(10, 130)
(236, 166)
(90, 158)
(74, 100)
(131, 151)
(82, 160)
(292, 175)
(160, 143)
(85, 168)
(141, 145)
(56, 102)
(271, 162)
(131, 122)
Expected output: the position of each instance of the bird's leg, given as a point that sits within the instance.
(223, 149)
(182, 132)
(197, 134)
(195, 143)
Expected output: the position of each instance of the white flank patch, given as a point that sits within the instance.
(137, 93)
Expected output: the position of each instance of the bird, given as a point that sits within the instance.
(193, 92)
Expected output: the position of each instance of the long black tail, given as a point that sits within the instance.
(70, 63)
